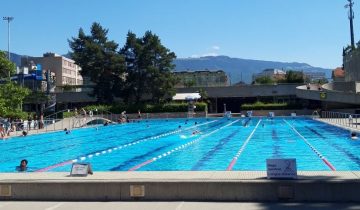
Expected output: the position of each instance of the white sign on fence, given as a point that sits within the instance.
(281, 168)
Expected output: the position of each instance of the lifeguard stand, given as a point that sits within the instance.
(190, 98)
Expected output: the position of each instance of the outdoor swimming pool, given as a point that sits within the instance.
(170, 145)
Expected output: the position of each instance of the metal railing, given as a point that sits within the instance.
(339, 118)
(16, 128)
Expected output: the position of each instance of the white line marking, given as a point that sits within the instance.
(55, 206)
(180, 206)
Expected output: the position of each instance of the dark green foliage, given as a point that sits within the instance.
(148, 69)
(264, 80)
(6, 66)
(269, 106)
(11, 98)
(99, 61)
(293, 77)
(145, 108)
(141, 69)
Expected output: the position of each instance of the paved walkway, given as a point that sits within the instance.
(19, 205)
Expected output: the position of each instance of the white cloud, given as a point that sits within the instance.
(215, 47)
(194, 56)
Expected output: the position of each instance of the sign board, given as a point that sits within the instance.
(322, 95)
(281, 168)
(80, 169)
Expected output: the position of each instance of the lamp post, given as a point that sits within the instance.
(351, 18)
(8, 19)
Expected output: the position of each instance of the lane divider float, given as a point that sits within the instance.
(313, 148)
(165, 154)
(110, 149)
(235, 158)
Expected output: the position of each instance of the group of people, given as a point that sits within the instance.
(9, 125)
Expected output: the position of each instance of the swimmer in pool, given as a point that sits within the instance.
(353, 136)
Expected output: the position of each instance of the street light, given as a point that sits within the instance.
(351, 18)
(8, 19)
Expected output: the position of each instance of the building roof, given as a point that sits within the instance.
(186, 96)
(274, 71)
(338, 73)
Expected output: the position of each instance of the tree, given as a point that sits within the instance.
(99, 60)
(11, 98)
(264, 80)
(148, 68)
(294, 77)
(6, 66)
(189, 83)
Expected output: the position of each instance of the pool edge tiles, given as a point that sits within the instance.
(331, 176)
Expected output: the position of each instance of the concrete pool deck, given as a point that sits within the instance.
(315, 186)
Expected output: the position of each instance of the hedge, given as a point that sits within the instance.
(269, 106)
(146, 108)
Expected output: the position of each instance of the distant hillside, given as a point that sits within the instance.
(238, 67)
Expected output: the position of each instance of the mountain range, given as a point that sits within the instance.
(239, 69)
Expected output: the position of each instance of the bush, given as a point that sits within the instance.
(16, 114)
(68, 114)
(146, 108)
(99, 108)
(269, 106)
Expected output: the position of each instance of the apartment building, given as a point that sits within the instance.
(204, 78)
(65, 69)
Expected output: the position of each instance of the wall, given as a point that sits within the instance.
(352, 66)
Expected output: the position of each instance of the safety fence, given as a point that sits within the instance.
(339, 118)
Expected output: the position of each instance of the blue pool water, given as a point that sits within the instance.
(171, 145)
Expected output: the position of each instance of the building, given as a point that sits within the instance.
(338, 75)
(65, 69)
(275, 74)
(201, 79)
(314, 75)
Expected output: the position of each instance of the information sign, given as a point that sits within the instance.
(281, 169)
(80, 169)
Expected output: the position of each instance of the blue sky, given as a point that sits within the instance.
(310, 31)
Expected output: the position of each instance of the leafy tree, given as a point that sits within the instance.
(204, 96)
(11, 98)
(37, 97)
(294, 77)
(189, 83)
(148, 68)
(99, 60)
(264, 80)
(6, 66)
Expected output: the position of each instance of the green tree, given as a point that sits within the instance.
(294, 77)
(264, 80)
(189, 83)
(148, 68)
(99, 60)
(11, 98)
(6, 66)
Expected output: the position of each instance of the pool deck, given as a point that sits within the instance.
(253, 186)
